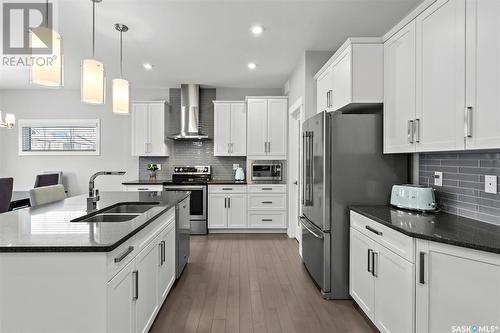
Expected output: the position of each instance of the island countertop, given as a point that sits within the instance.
(48, 228)
(439, 227)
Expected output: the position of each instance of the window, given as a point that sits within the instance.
(58, 137)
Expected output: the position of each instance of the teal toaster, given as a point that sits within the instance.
(414, 197)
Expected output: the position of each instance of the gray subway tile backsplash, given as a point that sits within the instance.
(191, 152)
(462, 192)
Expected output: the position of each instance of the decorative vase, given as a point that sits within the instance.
(152, 175)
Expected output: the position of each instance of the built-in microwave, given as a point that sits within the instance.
(266, 172)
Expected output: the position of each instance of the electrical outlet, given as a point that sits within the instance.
(235, 166)
(438, 178)
(490, 184)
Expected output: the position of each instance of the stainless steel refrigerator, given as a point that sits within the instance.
(343, 165)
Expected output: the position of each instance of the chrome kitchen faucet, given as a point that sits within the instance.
(94, 193)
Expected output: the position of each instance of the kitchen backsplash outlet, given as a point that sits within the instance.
(192, 152)
(463, 191)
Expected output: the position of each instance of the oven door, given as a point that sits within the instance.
(197, 204)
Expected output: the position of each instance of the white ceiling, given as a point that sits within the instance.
(209, 41)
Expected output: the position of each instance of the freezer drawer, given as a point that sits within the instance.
(316, 255)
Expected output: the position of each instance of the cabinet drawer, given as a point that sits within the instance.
(265, 219)
(227, 189)
(154, 188)
(393, 240)
(266, 188)
(121, 256)
(267, 202)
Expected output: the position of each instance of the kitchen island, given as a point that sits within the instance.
(61, 274)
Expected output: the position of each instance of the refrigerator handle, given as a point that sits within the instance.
(311, 167)
(304, 167)
(304, 224)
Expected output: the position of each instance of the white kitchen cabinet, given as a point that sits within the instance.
(267, 121)
(121, 305)
(399, 90)
(394, 292)
(230, 128)
(483, 76)
(352, 77)
(381, 281)
(143, 188)
(456, 286)
(237, 211)
(166, 266)
(440, 79)
(146, 281)
(361, 284)
(227, 207)
(217, 211)
(324, 89)
(149, 124)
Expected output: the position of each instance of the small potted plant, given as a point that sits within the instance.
(152, 168)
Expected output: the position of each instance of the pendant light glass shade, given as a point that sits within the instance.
(47, 70)
(121, 96)
(93, 85)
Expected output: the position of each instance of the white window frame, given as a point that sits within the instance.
(58, 122)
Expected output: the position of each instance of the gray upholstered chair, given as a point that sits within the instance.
(47, 194)
(47, 180)
(6, 185)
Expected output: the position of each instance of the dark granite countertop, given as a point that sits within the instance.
(48, 228)
(439, 227)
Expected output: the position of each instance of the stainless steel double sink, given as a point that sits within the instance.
(120, 212)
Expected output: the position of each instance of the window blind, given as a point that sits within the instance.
(59, 138)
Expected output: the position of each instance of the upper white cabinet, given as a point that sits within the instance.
(352, 76)
(149, 124)
(267, 121)
(399, 90)
(483, 76)
(456, 286)
(454, 90)
(440, 79)
(230, 128)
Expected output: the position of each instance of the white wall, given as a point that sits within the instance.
(301, 81)
(239, 94)
(65, 104)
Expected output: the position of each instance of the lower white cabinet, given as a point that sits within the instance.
(137, 292)
(143, 188)
(227, 207)
(247, 207)
(381, 281)
(456, 287)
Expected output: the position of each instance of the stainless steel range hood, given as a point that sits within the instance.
(190, 114)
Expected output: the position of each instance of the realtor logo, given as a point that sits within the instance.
(19, 21)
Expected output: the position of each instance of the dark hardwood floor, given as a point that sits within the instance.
(251, 283)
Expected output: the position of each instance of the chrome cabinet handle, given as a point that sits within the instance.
(373, 230)
(225, 202)
(422, 268)
(160, 251)
(267, 189)
(267, 220)
(125, 254)
(468, 122)
(374, 262)
(410, 131)
(369, 261)
(142, 189)
(163, 256)
(135, 278)
(267, 202)
(228, 202)
(228, 148)
(417, 130)
(227, 188)
(268, 146)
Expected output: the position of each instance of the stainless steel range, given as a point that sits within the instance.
(194, 179)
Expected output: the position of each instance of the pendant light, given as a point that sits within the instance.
(48, 74)
(121, 87)
(93, 85)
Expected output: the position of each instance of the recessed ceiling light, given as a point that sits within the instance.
(257, 30)
(148, 66)
(252, 65)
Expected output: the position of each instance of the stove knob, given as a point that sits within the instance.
(180, 169)
(176, 169)
(205, 170)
